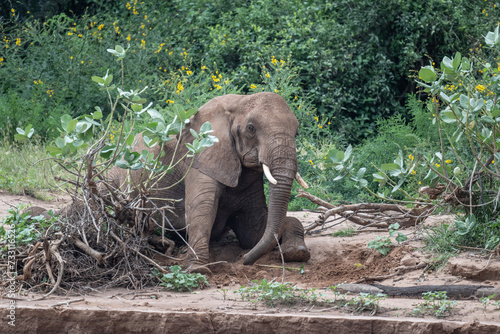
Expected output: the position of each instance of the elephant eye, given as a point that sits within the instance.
(250, 128)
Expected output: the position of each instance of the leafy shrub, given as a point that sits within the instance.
(23, 228)
(274, 294)
(435, 303)
(179, 280)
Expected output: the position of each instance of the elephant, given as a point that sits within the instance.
(224, 185)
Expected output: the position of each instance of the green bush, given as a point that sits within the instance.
(354, 57)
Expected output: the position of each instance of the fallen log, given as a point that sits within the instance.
(452, 291)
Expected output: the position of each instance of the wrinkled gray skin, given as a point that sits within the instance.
(225, 187)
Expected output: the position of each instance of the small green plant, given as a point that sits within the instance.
(348, 232)
(22, 228)
(273, 294)
(338, 297)
(486, 301)
(435, 303)
(384, 244)
(366, 302)
(224, 293)
(179, 280)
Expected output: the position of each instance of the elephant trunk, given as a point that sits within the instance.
(283, 169)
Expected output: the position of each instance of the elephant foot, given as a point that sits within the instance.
(293, 245)
(296, 254)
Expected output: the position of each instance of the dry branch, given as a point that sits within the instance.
(379, 215)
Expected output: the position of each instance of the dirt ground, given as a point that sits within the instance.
(333, 260)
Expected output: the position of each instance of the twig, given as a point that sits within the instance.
(157, 266)
(68, 302)
(276, 267)
(88, 250)
(282, 258)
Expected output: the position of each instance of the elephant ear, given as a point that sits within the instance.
(219, 161)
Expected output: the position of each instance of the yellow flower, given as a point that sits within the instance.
(203, 67)
(18, 41)
(419, 182)
(189, 72)
(128, 38)
(480, 88)
(413, 172)
(180, 88)
(274, 61)
(316, 118)
(215, 79)
(70, 33)
(82, 61)
(170, 101)
(268, 75)
(227, 81)
(71, 57)
(310, 161)
(411, 157)
(275, 90)
(320, 126)
(100, 27)
(253, 86)
(448, 161)
(218, 86)
(438, 165)
(13, 10)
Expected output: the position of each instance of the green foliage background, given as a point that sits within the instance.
(354, 57)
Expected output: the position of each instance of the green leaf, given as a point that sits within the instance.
(71, 126)
(427, 74)
(107, 151)
(206, 128)
(97, 79)
(155, 115)
(447, 62)
(448, 116)
(336, 156)
(20, 137)
(65, 119)
(492, 37)
(390, 166)
(488, 119)
(119, 49)
(123, 164)
(457, 60)
(97, 114)
(60, 142)
(136, 107)
(130, 140)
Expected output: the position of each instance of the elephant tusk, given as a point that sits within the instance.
(268, 174)
(301, 181)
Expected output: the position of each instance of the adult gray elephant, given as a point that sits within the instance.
(224, 188)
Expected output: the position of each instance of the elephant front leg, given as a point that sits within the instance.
(292, 241)
(202, 199)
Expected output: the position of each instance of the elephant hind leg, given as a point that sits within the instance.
(292, 241)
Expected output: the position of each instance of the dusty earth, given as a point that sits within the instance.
(217, 309)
